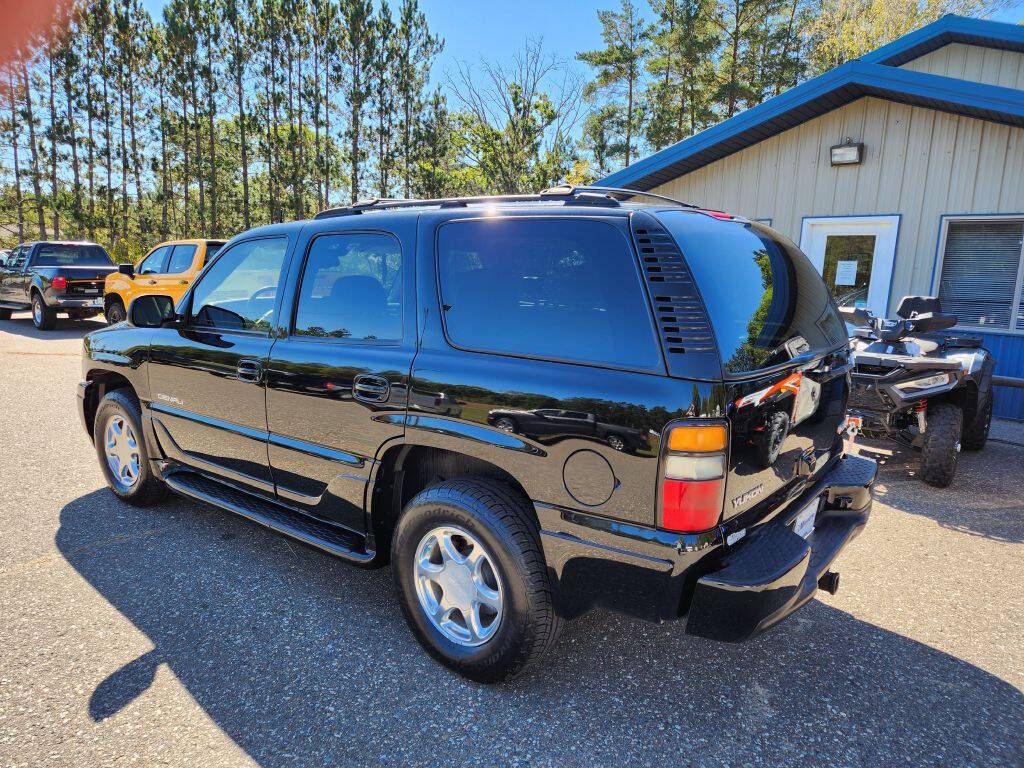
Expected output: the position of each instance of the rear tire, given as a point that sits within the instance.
(941, 448)
(117, 434)
(976, 430)
(499, 521)
(43, 317)
(115, 312)
(769, 442)
(5, 314)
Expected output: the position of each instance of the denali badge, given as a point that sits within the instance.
(169, 399)
(746, 496)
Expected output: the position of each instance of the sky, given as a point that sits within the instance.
(497, 30)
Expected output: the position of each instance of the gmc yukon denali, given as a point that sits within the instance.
(52, 277)
(530, 406)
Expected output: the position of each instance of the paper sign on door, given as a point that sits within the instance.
(846, 273)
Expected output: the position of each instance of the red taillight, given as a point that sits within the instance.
(693, 469)
(59, 283)
(689, 505)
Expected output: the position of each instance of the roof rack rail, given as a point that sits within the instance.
(586, 195)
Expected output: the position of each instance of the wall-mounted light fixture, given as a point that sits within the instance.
(847, 153)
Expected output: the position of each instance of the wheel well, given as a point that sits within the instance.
(110, 298)
(406, 470)
(965, 397)
(102, 383)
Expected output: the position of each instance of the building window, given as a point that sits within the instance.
(982, 273)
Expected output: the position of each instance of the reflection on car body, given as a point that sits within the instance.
(553, 424)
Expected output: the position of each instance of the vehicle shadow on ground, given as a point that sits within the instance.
(20, 324)
(303, 660)
(984, 498)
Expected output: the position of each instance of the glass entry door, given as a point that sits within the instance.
(855, 256)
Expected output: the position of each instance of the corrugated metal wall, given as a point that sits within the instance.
(919, 163)
(972, 62)
(1009, 354)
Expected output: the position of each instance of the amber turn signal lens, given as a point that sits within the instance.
(697, 439)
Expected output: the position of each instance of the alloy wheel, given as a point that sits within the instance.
(458, 586)
(122, 451)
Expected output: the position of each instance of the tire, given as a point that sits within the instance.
(496, 518)
(115, 312)
(121, 406)
(976, 430)
(5, 314)
(616, 443)
(43, 317)
(770, 441)
(941, 447)
(505, 424)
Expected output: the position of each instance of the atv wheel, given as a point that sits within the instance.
(976, 431)
(770, 441)
(941, 447)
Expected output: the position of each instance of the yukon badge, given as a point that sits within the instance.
(746, 496)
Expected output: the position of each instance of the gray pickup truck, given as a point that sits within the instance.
(50, 277)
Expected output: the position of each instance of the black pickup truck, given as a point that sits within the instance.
(50, 277)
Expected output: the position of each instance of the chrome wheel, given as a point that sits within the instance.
(122, 451)
(458, 586)
(37, 310)
(616, 443)
(506, 425)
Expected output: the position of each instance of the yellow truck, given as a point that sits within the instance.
(168, 269)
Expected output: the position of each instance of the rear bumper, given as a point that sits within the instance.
(67, 302)
(732, 592)
(775, 571)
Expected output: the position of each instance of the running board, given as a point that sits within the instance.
(316, 533)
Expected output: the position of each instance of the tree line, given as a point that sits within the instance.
(225, 114)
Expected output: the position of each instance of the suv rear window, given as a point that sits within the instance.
(552, 287)
(766, 301)
(57, 255)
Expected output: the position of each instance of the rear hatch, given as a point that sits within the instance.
(782, 353)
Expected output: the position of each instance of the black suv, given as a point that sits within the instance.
(359, 382)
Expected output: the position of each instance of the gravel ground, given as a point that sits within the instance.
(181, 635)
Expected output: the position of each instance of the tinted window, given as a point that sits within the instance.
(211, 251)
(57, 255)
(767, 302)
(352, 288)
(238, 292)
(154, 263)
(181, 259)
(556, 288)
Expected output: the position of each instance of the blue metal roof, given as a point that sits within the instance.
(873, 75)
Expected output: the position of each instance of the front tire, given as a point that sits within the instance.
(121, 448)
(976, 430)
(941, 448)
(115, 312)
(43, 317)
(484, 533)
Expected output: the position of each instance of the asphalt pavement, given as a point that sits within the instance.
(180, 635)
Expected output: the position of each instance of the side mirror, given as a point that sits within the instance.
(855, 315)
(151, 311)
(126, 269)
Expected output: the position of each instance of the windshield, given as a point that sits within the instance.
(766, 301)
(59, 255)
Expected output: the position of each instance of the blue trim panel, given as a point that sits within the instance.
(813, 98)
(949, 29)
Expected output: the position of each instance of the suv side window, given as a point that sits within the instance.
(154, 263)
(181, 259)
(545, 287)
(352, 288)
(239, 291)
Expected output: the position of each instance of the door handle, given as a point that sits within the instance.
(250, 370)
(150, 282)
(371, 389)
